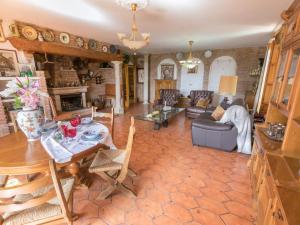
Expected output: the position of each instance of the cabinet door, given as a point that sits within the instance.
(279, 77)
(289, 79)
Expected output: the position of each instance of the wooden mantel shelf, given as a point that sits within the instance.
(61, 49)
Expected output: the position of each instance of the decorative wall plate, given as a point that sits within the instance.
(104, 48)
(208, 53)
(48, 35)
(29, 33)
(179, 56)
(112, 49)
(64, 38)
(79, 42)
(92, 44)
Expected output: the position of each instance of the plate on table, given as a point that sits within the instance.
(86, 120)
(49, 127)
(95, 137)
(91, 134)
(29, 33)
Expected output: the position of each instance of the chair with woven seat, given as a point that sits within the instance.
(44, 200)
(104, 118)
(112, 166)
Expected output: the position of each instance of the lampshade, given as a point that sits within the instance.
(227, 85)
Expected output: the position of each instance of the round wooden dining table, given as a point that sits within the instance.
(16, 151)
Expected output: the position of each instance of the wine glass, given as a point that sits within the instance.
(72, 133)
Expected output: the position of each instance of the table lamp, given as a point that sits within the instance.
(227, 87)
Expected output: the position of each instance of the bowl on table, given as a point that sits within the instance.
(91, 134)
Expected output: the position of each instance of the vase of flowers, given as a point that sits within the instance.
(26, 93)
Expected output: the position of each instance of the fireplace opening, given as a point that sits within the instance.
(71, 102)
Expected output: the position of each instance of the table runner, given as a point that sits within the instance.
(63, 150)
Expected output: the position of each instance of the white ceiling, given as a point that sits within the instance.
(211, 24)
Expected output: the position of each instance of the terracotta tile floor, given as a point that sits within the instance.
(177, 183)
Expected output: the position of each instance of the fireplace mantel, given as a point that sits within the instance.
(57, 92)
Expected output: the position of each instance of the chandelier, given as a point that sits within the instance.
(135, 40)
(191, 61)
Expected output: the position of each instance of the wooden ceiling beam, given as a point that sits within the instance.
(61, 49)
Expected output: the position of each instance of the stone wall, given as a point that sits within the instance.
(246, 59)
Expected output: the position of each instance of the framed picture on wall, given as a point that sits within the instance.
(8, 63)
(140, 73)
(193, 70)
(2, 37)
(167, 71)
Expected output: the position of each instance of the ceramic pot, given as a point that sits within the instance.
(30, 122)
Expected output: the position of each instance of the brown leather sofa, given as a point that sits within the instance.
(170, 96)
(193, 111)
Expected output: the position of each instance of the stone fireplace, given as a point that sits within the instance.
(71, 102)
(69, 98)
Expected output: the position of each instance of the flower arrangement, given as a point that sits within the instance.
(25, 91)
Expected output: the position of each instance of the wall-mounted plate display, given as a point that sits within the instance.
(208, 53)
(29, 33)
(112, 49)
(64, 38)
(48, 35)
(80, 42)
(92, 44)
(179, 56)
(104, 48)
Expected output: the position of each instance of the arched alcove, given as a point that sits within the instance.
(191, 81)
(224, 65)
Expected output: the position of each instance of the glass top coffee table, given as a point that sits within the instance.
(159, 117)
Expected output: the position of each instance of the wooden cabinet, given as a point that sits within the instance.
(163, 84)
(129, 84)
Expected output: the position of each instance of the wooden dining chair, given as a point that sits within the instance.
(105, 118)
(44, 200)
(112, 166)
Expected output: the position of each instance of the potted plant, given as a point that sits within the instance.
(26, 93)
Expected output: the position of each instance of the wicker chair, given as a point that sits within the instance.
(46, 199)
(112, 166)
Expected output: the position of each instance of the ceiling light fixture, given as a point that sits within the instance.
(191, 61)
(135, 40)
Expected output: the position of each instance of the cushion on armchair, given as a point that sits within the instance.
(202, 102)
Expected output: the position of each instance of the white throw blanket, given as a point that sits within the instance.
(239, 116)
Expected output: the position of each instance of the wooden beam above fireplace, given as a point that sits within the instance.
(61, 49)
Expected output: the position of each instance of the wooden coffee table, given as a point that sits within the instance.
(160, 119)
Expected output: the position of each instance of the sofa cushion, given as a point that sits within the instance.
(202, 102)
(196, 110)
(200, 94)
(208, 124)
(218, 113)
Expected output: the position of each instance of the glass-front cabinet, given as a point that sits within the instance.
(279, 77)
(289, 80)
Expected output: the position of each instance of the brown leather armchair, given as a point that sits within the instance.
(194, 111)
(170, 96)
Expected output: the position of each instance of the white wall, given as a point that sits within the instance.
(191, 81)
(167, 61)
